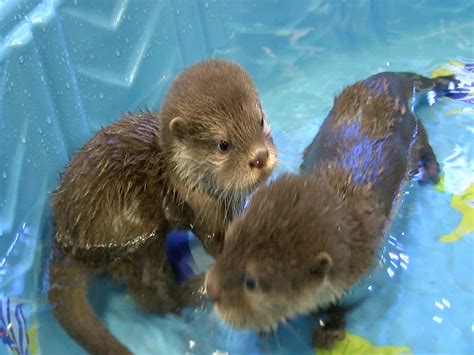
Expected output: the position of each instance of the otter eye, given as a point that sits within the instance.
(223, 146)
(250, 283)
(261, 123)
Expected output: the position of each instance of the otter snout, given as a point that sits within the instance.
(260, 159)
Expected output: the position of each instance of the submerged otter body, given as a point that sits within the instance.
(190, 165)
(304, 240)
(373, 134)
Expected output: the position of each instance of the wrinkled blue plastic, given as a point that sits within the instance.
(69, 67)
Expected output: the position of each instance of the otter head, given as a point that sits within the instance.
(215, 132)
(289, 253)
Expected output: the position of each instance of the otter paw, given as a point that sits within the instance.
(213, 245)
(428, 171)
(192, 291)
(158, 301)
(325, 337)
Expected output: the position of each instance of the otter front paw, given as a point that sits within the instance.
(428, 171)
(192, 291)
(156, 300)
(331, 329)
(325, 337)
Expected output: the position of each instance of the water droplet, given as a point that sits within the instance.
(67, 84)
(117, 53)
(190, 26)
(92, 56)
(40, 131)
(28, 161)
(206, 5)
(48, 119)
(4, 174)
(101, 96)
(23, 140)
(21, 59)
(177, 12)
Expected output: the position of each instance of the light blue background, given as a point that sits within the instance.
(69, 67)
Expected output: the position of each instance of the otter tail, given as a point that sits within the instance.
(67, 296)
(439, 86)
(455, 81)
(464, 75)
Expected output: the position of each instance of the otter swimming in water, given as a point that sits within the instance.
(305, 240)
(190, 166)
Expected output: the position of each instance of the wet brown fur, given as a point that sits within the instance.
(147, 174)
(304, 240)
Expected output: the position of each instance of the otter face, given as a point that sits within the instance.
(275, 263)
(259, 292)
(223, 160)
(219, 136)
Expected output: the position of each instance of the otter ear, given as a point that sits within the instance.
(322, 264)
(179, 127)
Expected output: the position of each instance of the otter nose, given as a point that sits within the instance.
(260, 159)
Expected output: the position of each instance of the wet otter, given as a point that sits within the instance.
(190, 166)
(304, 240)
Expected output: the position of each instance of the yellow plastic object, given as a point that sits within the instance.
(464, 203)
(448, 69)
(33, 346)
(458, 111)
(354, 345)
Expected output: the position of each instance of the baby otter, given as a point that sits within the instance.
(191, 165)
(304, 240)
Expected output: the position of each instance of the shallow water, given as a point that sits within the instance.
(71, 67)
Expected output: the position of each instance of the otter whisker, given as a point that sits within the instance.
(275, 333)
(229, 335)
